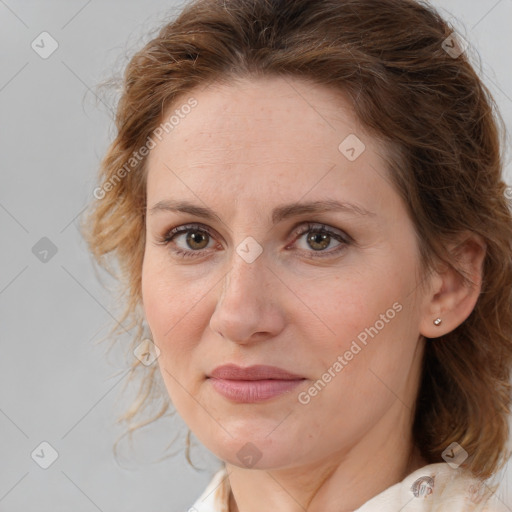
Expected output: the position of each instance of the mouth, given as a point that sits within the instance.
(252, 384)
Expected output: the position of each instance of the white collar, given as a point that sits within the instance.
(432, 488)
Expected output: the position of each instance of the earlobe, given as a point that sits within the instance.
(453, 296)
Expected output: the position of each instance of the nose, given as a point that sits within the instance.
(248, 307)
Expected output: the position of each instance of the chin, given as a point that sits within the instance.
(252, 452)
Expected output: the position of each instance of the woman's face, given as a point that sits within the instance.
(340, 309)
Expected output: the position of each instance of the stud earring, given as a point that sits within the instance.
(437, 321)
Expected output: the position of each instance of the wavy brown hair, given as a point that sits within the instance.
(429, 107)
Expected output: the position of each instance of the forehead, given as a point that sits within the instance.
(270, 136)
(250, 112)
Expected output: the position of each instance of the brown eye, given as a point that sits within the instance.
(196, 239)
(319, 241)
(319, 238)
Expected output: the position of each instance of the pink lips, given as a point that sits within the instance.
(252, 384)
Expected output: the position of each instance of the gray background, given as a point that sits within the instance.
(57, 384)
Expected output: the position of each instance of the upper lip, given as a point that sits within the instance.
(255, 372)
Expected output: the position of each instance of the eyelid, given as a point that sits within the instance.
(183, 228)
(303, 227)
(298, 230)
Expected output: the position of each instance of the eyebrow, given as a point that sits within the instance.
(278, 214)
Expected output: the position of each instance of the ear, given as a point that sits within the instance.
(451, 298)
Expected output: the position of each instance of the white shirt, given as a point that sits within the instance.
(432, 488)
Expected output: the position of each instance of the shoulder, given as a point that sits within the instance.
(433, 488)
(437, 488)
(215, 497)
(452, 490)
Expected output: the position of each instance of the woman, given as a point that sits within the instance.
(366, 365)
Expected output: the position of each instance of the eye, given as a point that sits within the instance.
(196, 239)
(320, 237)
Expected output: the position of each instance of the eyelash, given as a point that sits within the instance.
(345, 239)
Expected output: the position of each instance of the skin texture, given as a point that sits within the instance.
(246, 148)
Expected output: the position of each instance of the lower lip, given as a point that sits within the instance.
(247, 391)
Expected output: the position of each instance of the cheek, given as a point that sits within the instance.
(170, 305)
(328, 309)
(172, 313)
(367, 318)
(344, 305)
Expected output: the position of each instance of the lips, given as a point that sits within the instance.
(256, 372)
(252, 384)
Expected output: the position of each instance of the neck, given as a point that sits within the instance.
(339, 482)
